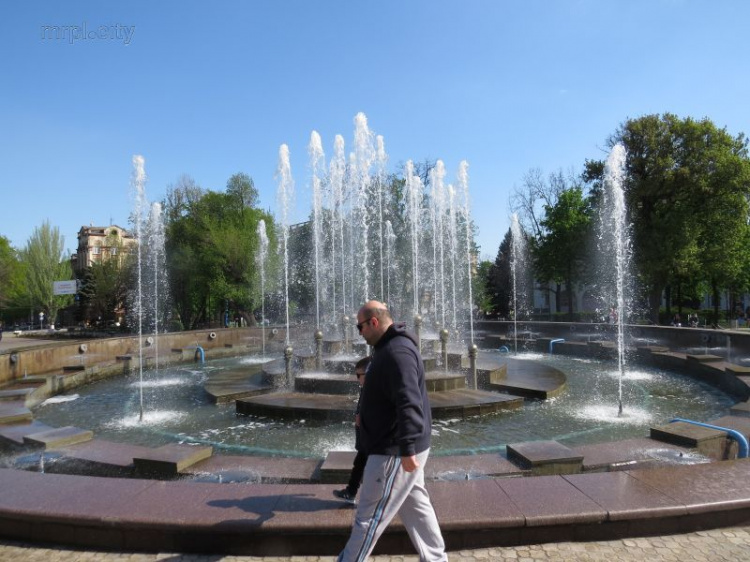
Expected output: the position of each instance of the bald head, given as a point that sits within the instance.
(373, 319)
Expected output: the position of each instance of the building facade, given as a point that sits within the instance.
(97, 244)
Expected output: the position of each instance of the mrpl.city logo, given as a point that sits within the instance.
(74, 33)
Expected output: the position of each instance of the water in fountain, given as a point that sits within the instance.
(390, 240)
(155, 259)
(285, 198)
(261, 261)
(364, 157)
(414, 193)
(361, 234)
(217, 425)
(336, 182)
(437, 214)
(138, 183)
(453, 254)
(614, 248)
(381, 159)
(518, 268)
(317, 159)
(574, 418)
(465, 217)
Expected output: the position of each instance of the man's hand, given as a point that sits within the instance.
(409, 464)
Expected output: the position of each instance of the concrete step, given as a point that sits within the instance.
(545, 457)
(15, 394)
(59, 437)
(711, 443)
(14, 412)
(170, 460)
(465, 403)
(101, 458)
(26, 382)
(459, 403)
(327, 383)
(12, 436)
(298, 405)
(704, 358)
(531, 380)
(440, 380)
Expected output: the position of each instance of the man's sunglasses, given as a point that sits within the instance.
(359, 326)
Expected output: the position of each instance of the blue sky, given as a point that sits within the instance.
(209, 89)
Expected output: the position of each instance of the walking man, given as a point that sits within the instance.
(395, 429)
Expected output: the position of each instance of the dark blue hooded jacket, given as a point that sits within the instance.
(395, 417)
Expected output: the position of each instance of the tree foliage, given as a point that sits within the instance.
(482, 291)
(687, 187)
(211, 244)
(560, 251)
(687, 192)
(500, 280)
(11, 273)
(105, 289)
(46, 263)
(241, 189)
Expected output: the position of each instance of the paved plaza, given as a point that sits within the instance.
(729, 544)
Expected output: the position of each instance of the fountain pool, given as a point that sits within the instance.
(177, 410)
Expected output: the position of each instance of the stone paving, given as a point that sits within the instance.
(728, 544)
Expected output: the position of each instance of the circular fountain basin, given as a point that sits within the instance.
(178, 410)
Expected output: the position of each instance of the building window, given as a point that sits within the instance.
(113, 251)
(96, 250)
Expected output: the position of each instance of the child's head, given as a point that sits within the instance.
(361, 368)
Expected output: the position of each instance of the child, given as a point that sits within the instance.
(350, 492)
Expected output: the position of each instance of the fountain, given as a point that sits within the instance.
(615, 248)
(434, 245)
(139, 185)
(518, 264)
(429, 232)
(316, 159)
(445, 295)
(361, 234)
(155, 259)
(285, 198)
(261, 261)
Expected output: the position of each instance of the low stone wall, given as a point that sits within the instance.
(84, 355)
(636, 335)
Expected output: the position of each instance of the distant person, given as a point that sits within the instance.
(676, 320)
(693, 320)
(349, 493)
(613, 315)
(395, 431)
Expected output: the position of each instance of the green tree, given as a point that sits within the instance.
(687, 186)
(211, 243)
(500, 278)
(11, 281)
(46, 264)
(241, 189)
(560, 252)
(105, 289)
(480, 285)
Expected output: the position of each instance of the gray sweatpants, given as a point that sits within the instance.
(387, 490)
